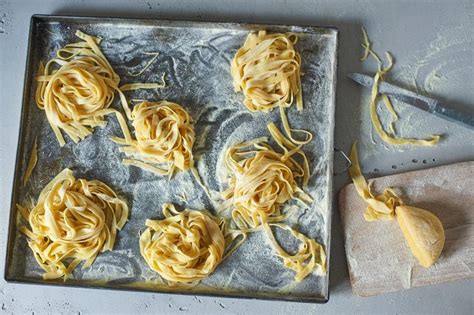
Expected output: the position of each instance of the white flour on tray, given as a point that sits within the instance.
(196, 63)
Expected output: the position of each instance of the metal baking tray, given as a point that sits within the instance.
(196, 57)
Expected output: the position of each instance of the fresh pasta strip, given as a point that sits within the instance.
(422, 230)
(73, 221)
(366, 45)
(187, 246)
(267, 71)
(376, 97)
(32, 162)
(310, 255)
(148, 64)
(381, 207)
(76, 89)
(164, 138)
(260, 181)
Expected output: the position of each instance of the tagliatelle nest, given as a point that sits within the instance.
(267, 70)
(261, 181)
(73, 219)
(77, 95)
(164, 138)
(186, 246)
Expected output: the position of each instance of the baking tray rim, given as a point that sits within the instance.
(27, 82)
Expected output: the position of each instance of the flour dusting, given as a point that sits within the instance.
(196, 63)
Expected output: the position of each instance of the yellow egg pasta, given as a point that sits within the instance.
(187, 246)
(73, 221)
(31, 162)
(309, 258)
(261, 181)
(267, 71)
(376, 96)
(164, 138)
(422, 230)
(76, 89)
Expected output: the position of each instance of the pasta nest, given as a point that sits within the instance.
(260, 182)
(267, 70)
(185, 246)
(73, 219)
(76, 96)
(164, 135)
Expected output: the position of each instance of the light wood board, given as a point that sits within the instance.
(378, 257)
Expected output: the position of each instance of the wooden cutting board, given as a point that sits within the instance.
(378, 257)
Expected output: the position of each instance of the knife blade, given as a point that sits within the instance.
(430, 105)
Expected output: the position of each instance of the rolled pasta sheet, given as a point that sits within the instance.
(267, 71)
(422, 230)
(187, 246)
(73, 221)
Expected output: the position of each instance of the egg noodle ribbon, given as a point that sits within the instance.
(376, 96)
(267, 70)
(164, 138)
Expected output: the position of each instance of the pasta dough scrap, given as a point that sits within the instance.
(424, 233)
(376, 96)
(260, 182)
(73, 221)
(422, 230)
(76, 89)
(267, 71)
(187, 246)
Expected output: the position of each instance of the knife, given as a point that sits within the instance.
(465, 119)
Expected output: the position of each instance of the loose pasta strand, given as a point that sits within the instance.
(376, 96)
(260, 181)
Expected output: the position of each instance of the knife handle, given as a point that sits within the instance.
(464, 118)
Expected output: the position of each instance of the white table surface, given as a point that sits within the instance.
(433, 43)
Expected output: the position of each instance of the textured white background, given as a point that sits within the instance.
(433, 43)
